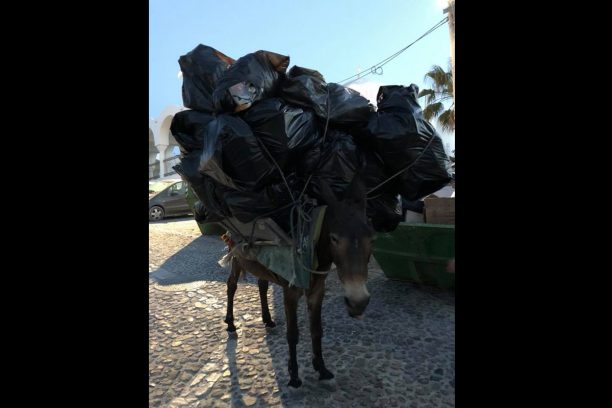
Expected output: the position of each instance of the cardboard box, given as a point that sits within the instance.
(440, 210)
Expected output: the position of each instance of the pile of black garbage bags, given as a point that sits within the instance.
(254, 127)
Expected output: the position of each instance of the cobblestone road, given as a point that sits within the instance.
(400, 355)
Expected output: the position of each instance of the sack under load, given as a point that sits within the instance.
(383, 207)
(246, 206)
(401, 136)
(200, 213)
(201, 69)
(374, 175)
(340, 160)
(233, 157)
(251, 78)
(189, 129)
(384, 211)
(307, 87)
(348, 108)
(209, 192)
(287, 132)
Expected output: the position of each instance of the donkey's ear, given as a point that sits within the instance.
(356, 193)
(327, 194)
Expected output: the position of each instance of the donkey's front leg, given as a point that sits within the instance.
(290, 299)
(263, 296)
(315, 300)
(232, 285)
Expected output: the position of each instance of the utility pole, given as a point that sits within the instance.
(451, 27)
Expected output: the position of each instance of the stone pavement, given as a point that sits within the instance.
(400, 355)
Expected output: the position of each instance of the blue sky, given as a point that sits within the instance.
(337, 38)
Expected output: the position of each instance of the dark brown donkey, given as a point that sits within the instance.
(346, 241)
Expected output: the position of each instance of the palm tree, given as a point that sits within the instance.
(441, 91)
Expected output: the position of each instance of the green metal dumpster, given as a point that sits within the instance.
(417, 253)
(210, 228)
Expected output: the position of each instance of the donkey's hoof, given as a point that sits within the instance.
(231, 329)
(325, 374)
(270, 324)
(295, 383)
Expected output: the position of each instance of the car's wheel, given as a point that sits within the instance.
(156, 213)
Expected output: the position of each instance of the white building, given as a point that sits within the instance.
(162, 143)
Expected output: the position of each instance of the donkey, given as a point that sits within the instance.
(345, 240)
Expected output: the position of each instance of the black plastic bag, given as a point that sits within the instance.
(233, 157)
(348, 107)
(246, 206)
(189, 129)
(201, 68)
(402, 137)
(206, 189)
(251, 78)
(374, 175)
(200, 212)
(417, 206)
(306, 88)
(383, 207)
(307, 162)
(384, 212)
(398, 98)
(286, 131)
(340, 160)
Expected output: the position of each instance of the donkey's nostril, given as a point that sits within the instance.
(366, 302)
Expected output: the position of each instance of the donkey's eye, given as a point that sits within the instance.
(334, 238)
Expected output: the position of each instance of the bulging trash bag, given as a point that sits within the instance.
(307, 162)
(189, 129)
(200, 212)
(247, 205)
(286, 131)
(384, 211)
(233, 157)
(201, 68)
(307, 87)
(417, 206)
(374, 176)
(383, 207)
(401, 136)
(251, 78)
(340, 160)
(348, 107)
(398, 98)
(209, 192)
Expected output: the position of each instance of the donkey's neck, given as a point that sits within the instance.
(324, 255)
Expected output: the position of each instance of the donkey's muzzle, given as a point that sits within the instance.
(356, 308)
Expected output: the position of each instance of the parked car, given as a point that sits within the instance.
(166, 198)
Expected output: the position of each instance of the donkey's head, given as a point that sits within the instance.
(350, 243)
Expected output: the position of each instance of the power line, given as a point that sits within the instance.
(374, 69)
